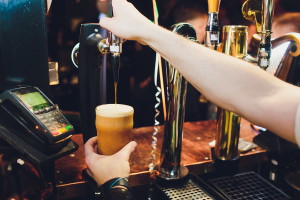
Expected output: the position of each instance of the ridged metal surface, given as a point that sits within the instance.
(190, 191)
(248, 186)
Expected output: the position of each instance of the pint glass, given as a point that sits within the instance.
(114, 123)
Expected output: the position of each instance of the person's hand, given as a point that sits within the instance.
(103, 168)
(127, 22)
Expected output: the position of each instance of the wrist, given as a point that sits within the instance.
(113, 183)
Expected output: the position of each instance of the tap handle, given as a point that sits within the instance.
(213, 6)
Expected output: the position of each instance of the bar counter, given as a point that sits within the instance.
(196, 155)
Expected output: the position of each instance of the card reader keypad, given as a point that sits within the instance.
(53, 120)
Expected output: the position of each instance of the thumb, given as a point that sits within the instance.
(125, 152)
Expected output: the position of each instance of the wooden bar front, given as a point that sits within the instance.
(196, 155)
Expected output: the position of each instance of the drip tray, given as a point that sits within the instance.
(192, 188)
(247, 186)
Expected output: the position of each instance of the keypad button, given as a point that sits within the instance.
(69, 127)
(52, 107)
(55, 133)
(48, 108)
(62, 130)
(58, 125)
(36, 112)
(41, 117)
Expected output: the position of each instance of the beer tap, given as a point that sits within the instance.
(212, 32)
(170, 168)
(261, 12)
(113, 45)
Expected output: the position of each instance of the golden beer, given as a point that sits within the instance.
(114, 123)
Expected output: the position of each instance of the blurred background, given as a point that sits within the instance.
(136, 87)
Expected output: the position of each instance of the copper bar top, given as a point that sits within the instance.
(196, 152)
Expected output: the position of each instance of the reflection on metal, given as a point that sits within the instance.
(170, 168)
(75, 55)
(234, 41)
(227, 137)
(212, 30)
(285, 48)
(228, 123)
(261, 12)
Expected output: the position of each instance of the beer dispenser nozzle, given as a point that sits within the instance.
(261, 12)
(116, 50)
(112, 45)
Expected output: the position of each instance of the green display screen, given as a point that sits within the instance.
(33, 99)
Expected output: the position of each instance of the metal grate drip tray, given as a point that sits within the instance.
(193, 188)
(247, 186)
(189, 190)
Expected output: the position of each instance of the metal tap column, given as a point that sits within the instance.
(212, 30)
(170, 168)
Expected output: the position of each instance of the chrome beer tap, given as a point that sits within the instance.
(112, 45)
(226, 154)
(261, 12)
(212, 30)
(170, 168)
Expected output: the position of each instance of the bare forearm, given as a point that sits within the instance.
(230, 83)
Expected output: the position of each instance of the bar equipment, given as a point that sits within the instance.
(285, 51)
(228, 123)
(261, 12)
(53, 73)
(212, 40)
(212, 32)
(170, 168)
(114, 47)
(90, 55)
(174, 181)
(92, 76)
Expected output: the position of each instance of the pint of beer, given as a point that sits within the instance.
(114, 123)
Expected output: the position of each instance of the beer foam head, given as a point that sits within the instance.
(114, 110)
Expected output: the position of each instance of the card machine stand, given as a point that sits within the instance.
(33, 125)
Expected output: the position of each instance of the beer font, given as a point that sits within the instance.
(261, 12)
(170, 168)
(228, 123)
(212, 32)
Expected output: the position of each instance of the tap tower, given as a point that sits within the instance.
(261, 12)
(170, 168)
(212, 30)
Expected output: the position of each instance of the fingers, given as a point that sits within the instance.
(89, 146)
(125, 152)
(105, 22)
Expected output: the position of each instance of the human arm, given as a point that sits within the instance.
(110, 172)
(230, 83)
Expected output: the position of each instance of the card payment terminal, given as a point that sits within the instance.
(29, 114)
